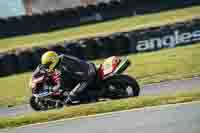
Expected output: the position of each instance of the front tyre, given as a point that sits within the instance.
(122, 86)
(37, 105)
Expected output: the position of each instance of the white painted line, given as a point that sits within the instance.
(173, 80)
(109, 113)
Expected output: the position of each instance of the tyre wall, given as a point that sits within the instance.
(144, 40)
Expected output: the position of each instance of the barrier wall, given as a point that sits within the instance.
(150, 39)
(24, 25)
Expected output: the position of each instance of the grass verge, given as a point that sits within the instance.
(101, 107)
(124, 24)
(168, 64)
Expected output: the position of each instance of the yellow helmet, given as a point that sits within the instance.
(50, 59)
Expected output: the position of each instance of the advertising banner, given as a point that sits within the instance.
(168, 41)
(167, 36)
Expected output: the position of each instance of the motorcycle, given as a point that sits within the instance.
(110, 83)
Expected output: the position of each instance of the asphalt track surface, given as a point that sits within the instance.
(168, 87)
(180, 118)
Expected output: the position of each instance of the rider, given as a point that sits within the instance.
(69, 68)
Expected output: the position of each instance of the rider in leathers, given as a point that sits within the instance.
(67, 69)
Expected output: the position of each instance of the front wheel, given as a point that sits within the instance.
(122, 86)
(36, 104)
(44, 105)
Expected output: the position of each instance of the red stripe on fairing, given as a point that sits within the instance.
(56, 77)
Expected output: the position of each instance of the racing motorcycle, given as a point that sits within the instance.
(110, 83)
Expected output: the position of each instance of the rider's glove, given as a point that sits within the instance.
(54, 89)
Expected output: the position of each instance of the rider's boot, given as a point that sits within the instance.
(71, 99)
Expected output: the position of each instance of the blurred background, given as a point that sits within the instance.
(11, 8)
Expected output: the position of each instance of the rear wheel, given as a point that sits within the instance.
(121, 86)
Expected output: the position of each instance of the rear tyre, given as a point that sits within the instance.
(122, 86)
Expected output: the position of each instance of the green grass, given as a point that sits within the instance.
(177, 63)
(124, 24)
(101, 107)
